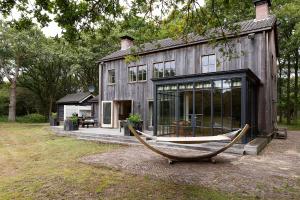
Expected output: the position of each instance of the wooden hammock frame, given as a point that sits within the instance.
(203, 157)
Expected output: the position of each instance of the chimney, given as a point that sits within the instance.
(262, 9)
(126, 42)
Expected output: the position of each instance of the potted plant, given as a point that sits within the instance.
(71, 124)
(54, 119)
(135, 121)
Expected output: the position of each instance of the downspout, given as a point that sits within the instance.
(100, 94)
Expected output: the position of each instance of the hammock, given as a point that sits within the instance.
(233, 137)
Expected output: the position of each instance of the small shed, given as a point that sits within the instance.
(74, 103)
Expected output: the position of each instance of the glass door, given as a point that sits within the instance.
(107, 114)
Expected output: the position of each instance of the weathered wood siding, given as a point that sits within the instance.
(255, 54)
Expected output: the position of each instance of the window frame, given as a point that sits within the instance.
(164, 68)
(109, 76)
(128, 70)
(208, 65)
(146, 68)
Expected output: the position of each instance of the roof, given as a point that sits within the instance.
(246, 27)
(95, 99)
(74, 98)
(209, 76)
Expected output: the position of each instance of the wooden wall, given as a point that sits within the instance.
(254, 54)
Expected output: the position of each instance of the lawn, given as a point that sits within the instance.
(36, 164)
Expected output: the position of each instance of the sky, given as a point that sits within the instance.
(53, 29)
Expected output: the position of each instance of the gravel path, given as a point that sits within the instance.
(275, 174)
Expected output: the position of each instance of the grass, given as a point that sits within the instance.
(294, 126)
(36, 164)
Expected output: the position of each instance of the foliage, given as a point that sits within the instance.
(74, 119)
(4, 99)
(134, 118)
(32, 118)
(54, 115)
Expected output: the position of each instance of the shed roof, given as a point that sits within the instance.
(74, 98)
(95, 99)
(246, 27)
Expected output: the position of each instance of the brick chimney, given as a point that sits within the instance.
(262, 9)
(126, 42)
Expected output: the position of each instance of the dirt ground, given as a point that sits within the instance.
(274, 174)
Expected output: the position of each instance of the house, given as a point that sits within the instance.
(77, 103)
(95, 107)
(190, 88)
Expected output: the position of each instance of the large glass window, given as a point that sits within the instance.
(208, 63)
(217, 107)
(166, 113)
(199, 108)
(236, 103)
(111, 76)
(164, 69)
(132, 74)
(142, 73)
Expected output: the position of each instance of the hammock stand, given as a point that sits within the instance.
(233, 137)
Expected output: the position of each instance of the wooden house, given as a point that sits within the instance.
(190, 88)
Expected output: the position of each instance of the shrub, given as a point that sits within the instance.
(74, 119)
(3, 118)
(135, 118)
(54, 115)
(32, 118)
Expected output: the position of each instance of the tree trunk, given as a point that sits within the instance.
(296, 86)
(288, 91)
(50, 106)
(12, 102)
(13, 91)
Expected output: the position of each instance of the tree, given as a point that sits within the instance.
(288, 15)
(49, 74)
(15, 49)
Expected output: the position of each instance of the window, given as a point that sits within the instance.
(158, 70)
(164, 69)
(142, 73)
(170, 68)
(137, 73)
(132, 74)
(111, 76)
(208, 63)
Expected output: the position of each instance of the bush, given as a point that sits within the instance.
(32, 118)
(54, 115)
(3, 118)
(135, 118)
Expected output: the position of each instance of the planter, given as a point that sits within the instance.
(137, 126)
(70, 126)
(54, 122)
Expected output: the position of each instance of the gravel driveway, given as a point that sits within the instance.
(274, 174)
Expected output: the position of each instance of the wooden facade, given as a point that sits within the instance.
(255, 50)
